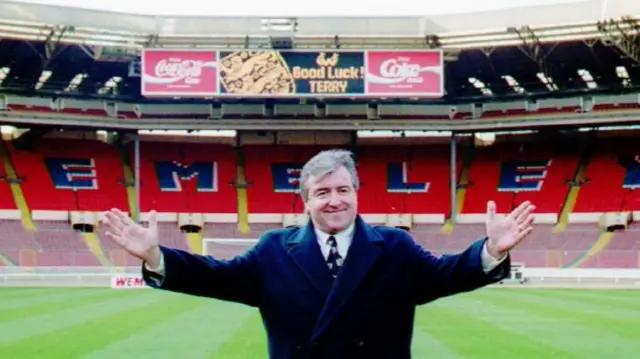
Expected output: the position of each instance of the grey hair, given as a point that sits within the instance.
(326, 162)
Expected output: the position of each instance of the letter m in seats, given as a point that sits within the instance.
(170, 175)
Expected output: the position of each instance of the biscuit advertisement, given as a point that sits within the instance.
(291, 74)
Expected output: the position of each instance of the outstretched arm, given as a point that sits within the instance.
(485, 262)
(234, 280)
(179, 271)
(435, 277)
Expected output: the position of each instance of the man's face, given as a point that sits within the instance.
(332, 203)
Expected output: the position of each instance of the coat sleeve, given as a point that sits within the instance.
(234, 279)
(434, 277)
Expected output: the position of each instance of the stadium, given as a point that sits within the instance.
(208, 120)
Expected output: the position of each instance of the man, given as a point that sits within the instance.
(337, 287)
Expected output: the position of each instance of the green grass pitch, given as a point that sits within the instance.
(95, 323)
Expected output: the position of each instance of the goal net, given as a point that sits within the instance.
(226, 248)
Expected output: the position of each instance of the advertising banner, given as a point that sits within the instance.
(292, 73)
(188, 73)
(405, 73)
(126, 281)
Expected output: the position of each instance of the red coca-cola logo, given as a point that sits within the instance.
(404, 73)
(182, 69)
(399, 68)
(179, 72)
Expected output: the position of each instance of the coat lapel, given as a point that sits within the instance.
(362, 254)
(305, 251)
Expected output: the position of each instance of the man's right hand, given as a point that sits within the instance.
(137, 240)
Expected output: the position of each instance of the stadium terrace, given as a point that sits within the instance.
(510, 118)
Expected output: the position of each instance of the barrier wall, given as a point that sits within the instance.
(130, 277)
(70, 277)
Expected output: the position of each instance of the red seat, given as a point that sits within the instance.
(39, 186)
(603, 190)
(186, 197)
(485, 174)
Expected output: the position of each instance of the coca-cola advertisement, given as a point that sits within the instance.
(168, 72)
(404, 73)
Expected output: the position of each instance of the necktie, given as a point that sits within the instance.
(334, 260)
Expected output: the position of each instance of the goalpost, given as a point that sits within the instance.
(226, 248)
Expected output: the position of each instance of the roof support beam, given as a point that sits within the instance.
(625, 33)
(532, 45)
(52, 42)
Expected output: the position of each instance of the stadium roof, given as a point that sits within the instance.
(191, 8)
(561, 20)
(575, 47)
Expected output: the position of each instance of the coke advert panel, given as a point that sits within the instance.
(404, 73)
(182, 73)
(292, 73)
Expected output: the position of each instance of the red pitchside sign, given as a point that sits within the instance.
(404, 73)
(180, 72)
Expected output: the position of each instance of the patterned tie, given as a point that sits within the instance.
(334, 260)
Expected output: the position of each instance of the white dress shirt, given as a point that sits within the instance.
(344, 239)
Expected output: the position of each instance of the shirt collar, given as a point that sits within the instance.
(343, 236)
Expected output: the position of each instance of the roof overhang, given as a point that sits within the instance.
(551, 23)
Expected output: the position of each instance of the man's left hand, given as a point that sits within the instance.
(505, 233)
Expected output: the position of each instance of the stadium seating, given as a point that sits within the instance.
(166, 170)
(393, 180)
(62, 176)
(542, 249)
(527, 171)
(53, 168)
(612, 178)
(6, 196)
(272, 173)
